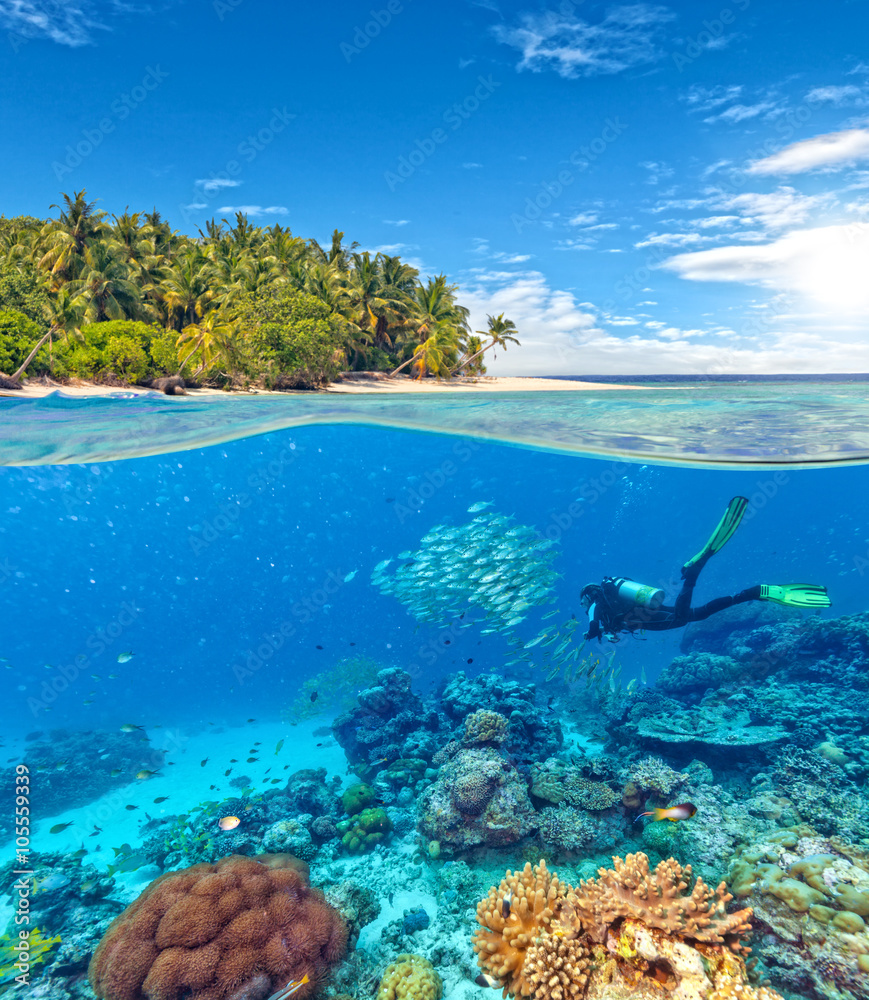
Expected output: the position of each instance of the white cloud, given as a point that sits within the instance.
(212, 184)
(672, 240)
(583, 219)
(776, 210)
(472, 166)
(561, 336)
(706, 98)
(742, 112)
(827, 265)
(72, 22)
(396, 222)
(627, 36)
(835, 95)
(255, 209)
(832, 151)
(657, 171)
(196, 206)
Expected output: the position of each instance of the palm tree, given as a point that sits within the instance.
(436, 313)
(499, 330)
(185, 287)
(213, 336)
(105, 290)
(67, 236)
(64, 316)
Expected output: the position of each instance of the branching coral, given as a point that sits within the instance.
(237, 929)
(631, 889)
(503, 942)
(627, 934)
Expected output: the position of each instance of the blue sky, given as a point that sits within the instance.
(673, 187)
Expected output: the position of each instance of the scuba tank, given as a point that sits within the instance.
(632, 594)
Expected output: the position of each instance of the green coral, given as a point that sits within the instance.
(34, 954)
(358, 797)
(364, 830)
(659, 837)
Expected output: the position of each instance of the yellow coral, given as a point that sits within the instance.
(502, 942)
(410, 977)
(629, 933)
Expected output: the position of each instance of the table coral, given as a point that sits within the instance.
(235, 930)
(410, 977)
(632, 932)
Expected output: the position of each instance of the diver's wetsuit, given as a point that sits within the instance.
(610, 617)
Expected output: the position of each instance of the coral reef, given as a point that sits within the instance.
(478, 799)
(410, 977)
(358, 797)
(566, 828)
(696, 673)
(556, 781)
(630, 933)
(239, 928)
(810, 896)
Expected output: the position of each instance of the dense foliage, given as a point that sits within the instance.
(128, 299)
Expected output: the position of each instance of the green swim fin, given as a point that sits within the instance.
(722, 534)
(796, 595)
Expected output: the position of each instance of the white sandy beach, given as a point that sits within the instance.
(377, 385)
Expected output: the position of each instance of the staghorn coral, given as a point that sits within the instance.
(502, 943)
(629, 933)
(240, 928)
(410, 977)
(484, 726)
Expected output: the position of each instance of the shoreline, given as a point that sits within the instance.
(374, 384)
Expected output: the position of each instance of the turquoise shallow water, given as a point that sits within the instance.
(737, 425)
(241, 606)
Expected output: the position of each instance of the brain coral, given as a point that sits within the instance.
(235, 930)
(632, 933)
(410, 977)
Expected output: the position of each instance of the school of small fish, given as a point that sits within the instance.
(494, 572)
(492, 566)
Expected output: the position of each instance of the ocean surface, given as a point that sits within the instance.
(207, 600)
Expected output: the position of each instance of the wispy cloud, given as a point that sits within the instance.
(212, 184)
(833, 151)
(836, 95)
(255, 209)
(472, 166)
(70, 22)
(627, 36)
(707, 98)
(396, 222)
(743, 112)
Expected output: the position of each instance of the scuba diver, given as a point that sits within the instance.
(621, 605)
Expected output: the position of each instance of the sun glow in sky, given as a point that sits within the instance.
(641, 187)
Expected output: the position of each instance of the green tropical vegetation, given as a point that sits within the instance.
(127, 299)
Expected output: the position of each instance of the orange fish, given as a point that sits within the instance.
(228, 822)
(684, 811)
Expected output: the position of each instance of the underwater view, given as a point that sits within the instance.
(394, 712)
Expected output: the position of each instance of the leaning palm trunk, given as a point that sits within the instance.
(467, 361)
(23, 367)
(410, 360)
